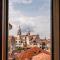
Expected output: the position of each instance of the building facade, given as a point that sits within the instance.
(28, 40)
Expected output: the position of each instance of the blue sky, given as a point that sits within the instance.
(36, 7)
(31, 15)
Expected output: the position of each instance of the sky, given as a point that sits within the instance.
(31, 15)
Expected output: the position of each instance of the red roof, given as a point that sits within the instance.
(30, 53)
(42, 56)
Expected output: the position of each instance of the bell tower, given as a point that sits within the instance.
(19, 31)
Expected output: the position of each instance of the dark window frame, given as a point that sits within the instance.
(55, 29)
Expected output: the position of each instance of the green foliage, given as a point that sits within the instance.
(19, 48)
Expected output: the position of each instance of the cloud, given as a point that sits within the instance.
(38, 7)
(26, 1)
(27, 28)
(37, 24)
(22, 1)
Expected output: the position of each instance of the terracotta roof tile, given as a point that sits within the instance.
(30, 53)
(42, 56)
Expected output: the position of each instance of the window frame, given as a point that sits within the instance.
(55, 29)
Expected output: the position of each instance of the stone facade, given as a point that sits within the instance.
(28, 40)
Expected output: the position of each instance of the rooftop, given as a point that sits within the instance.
(31, 53)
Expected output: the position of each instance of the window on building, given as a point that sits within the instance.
(16, 41)
(19, 42)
